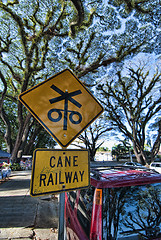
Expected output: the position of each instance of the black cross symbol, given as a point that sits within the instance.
(67, 97)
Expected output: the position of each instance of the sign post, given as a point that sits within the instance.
(61, 216)
(57, 171)
(65, 108)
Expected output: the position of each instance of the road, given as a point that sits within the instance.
(25, 217)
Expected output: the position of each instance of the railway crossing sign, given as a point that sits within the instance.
(62, 105)
(56, 171)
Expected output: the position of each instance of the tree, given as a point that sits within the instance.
(103, 149)
(92, 137)
(133, 102)
(24, 48)
(39, 38)
(122, 150)
(117, 34)
(155, 137)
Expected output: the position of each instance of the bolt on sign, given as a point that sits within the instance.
(63, 105)
(59, 170)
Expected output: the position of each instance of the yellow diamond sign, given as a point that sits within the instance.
(63, 105)
(55, 171)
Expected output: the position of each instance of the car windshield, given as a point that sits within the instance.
(132, 212)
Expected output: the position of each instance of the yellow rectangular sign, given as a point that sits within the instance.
(54, 171)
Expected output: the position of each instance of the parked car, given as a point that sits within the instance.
(121, 203)
(134, 164)
(156, 166)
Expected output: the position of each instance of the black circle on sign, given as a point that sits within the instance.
(55, 119)
(71, 117)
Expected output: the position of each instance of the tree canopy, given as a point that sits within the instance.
(132, 102)
(42, 37)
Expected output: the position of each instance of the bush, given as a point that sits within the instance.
(16, 167)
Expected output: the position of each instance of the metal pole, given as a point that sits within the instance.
(61, 215)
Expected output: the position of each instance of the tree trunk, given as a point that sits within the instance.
(29, 146)
(156, 145)
(138, 155)
(7, 136)
(16, 155)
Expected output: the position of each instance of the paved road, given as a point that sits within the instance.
(25, 217)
